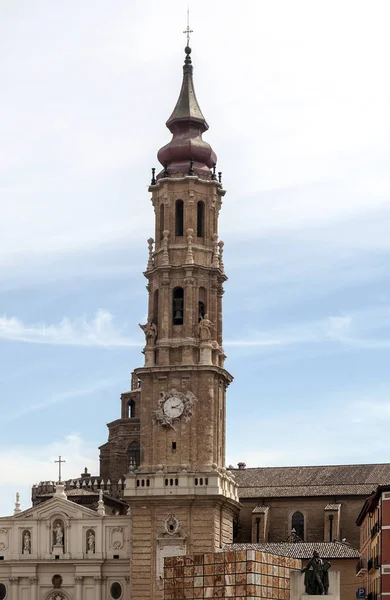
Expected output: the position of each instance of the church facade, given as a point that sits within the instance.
(59, 550)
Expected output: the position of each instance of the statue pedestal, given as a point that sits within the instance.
(205, 353)
(149, 357)
(297, 587)
(58, 550)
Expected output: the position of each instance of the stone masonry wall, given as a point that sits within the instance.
(227, 575)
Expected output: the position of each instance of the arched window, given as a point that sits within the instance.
(202, 305)
(179, 218)
(178, 306)
(200, 219)
(131, 409)
(155, 307)
(134, 455)
(298, 524)
(161, 221)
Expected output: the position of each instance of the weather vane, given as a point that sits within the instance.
(188, 30)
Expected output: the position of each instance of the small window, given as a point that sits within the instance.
(200, 219)
(298, 524)
(133, 455)
(3, 591)
(179, 218)
(131, 409)
(178, 306)
(116, 590)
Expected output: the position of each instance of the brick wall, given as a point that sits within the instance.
(281, 509)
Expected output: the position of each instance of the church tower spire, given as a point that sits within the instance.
(187, 124)
(182, 499)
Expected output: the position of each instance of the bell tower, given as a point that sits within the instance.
(182, 499)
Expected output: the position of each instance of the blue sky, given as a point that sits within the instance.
(296, 96)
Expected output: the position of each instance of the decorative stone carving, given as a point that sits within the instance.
(116, 538)
(173, 406)
(150, 331)
(190, 256)
(3, 539)
(165, 254)
(58, 534)
(215, 261)
(221, 263)
(57, 596)
(171, 524)
(26, 542)
(204, 328)
(150, 264)
(91, 541)
(56, 581)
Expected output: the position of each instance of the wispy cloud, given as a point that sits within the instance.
(23, 465)
(354, 329)
(366, 329)
(58, 398)
(100, 331)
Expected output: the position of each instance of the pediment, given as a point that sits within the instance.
(57, 506)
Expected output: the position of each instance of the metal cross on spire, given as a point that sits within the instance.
(188, 30)
(59, 461)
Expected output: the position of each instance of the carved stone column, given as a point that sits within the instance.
(98, 588)
(127, 588)
(14, 582)
(220, 292)
(165, 317)
(79, 588)
(188, 353)
(33, 586)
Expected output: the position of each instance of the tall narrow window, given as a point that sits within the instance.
(133, 455)
(298, 524)
(178, 306)
(200, 219)
(131, 409)
(202, 303)
(155, 307)
(161, 221)
(179, 217)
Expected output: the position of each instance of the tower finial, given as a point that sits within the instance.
(188, 30)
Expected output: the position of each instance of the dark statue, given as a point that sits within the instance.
(316, 576)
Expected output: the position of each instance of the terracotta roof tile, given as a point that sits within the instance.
(348, 480)
(326, 550)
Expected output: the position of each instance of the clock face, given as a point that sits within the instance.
(173, 407)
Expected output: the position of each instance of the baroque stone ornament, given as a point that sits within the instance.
(173, 406)
(171, 524)
(117, 539)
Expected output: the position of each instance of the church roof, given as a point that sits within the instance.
(330, 480)
(326, 550)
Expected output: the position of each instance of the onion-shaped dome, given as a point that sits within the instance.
(186, 149)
